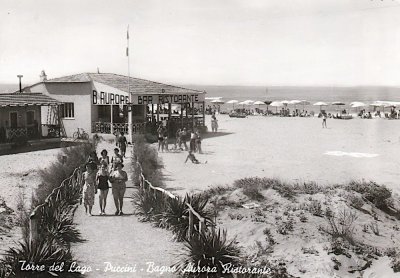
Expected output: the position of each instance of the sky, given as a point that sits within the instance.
(205, 42)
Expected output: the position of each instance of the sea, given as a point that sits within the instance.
(365, 94)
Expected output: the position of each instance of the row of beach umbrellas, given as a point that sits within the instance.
(355, 104)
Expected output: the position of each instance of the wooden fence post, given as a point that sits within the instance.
(33, 228)
(191, 224)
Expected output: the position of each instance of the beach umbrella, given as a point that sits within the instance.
(276, 104)
(259, 103)
(304, 102)
(233, 101)
(285, 102)
(356, 104)
(248, 102)
(320, 104)
(217, 101)
(295, 102)
(213, 98)
(338, 103)
(267, 102)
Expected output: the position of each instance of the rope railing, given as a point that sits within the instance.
(68, 188)
(192, 212)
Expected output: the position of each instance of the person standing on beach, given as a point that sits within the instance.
(89, 188)
(214, 123)
(160, 132)
(122, 142)
(178, 139)
(198, 142)
(192, 143)
(184, 138)
(324, 120)
(102, 184)
(118, 180)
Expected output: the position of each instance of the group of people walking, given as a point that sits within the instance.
(100, 172)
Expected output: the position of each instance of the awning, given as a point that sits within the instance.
(26, 99)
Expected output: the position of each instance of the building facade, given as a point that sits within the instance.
(107, 103)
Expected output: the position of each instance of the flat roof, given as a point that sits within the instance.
(121, 82)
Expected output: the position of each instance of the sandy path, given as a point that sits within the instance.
(122, 240)
(292, 149)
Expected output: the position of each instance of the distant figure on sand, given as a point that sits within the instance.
(122, 142)
(214, 124)
(118, 178)
(89, 188)
(102, 184)
(324, 120)
(192, 158)
(160, 132)
(183, 138)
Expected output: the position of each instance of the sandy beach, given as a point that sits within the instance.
(295, 150)
(291, 149)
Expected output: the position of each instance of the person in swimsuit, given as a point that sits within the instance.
(102, 184)
(89, 188)
(117, 158)
(160, 132)
(118, 178)
(198, 142)
(324, 120)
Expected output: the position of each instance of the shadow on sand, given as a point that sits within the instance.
(215, 134)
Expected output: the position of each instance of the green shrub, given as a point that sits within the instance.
(208, 251)
(58, 171)
(309, 188)
(395, 263)
(341, 225)
(355, 201)
(176, 217)
(373, 192)
(57, 222)
(42, 252)
(144, 203)
(315, 208)
(147, 157)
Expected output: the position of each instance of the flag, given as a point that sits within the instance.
(127, 51)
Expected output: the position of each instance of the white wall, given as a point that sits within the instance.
(79, 93)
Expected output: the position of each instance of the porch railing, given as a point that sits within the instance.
(105, 127)
(33, 132)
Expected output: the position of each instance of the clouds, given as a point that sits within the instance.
(205, 42)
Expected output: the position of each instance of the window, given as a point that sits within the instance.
(67, 110)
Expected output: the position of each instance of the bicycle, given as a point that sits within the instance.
(80, 134)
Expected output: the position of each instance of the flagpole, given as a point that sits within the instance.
(130, 107)
(129, 70)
